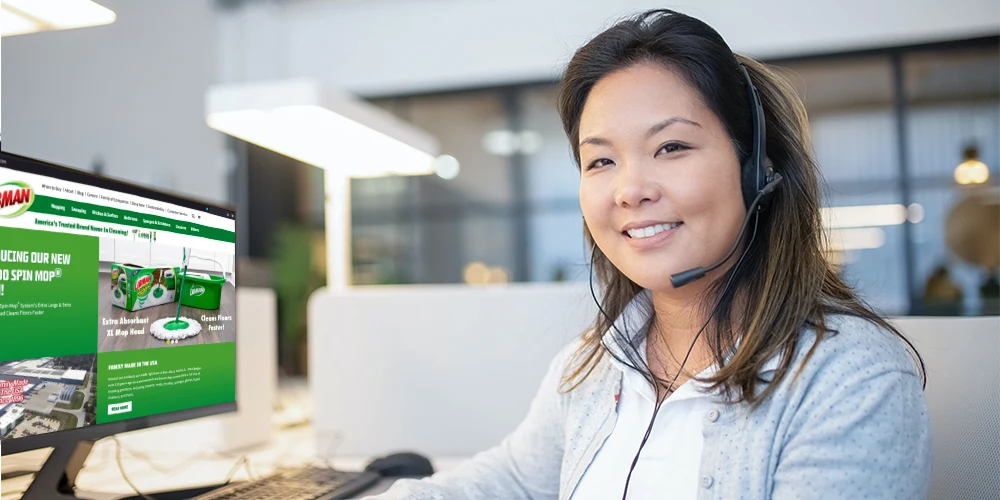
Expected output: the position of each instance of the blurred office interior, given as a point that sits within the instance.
(903, 100)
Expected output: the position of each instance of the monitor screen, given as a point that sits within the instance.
(117, 303)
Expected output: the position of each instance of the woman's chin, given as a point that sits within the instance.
(656, 280)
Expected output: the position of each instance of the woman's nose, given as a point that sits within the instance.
(633, 187)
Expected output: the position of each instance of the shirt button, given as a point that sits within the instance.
(706, 481)
(713, 415)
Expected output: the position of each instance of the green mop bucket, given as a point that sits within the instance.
(202, 291)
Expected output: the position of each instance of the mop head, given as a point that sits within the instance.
(170, 329)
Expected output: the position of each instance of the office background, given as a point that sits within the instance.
(899, 94)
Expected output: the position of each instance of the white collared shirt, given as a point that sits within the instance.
(669, 462)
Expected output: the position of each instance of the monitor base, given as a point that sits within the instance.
(56, 480)
(57, 477)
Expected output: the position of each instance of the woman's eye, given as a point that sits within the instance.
(598, 163)
(672, 147)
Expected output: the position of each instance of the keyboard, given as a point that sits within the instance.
(310, 483)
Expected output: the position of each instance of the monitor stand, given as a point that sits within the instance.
(57, 478)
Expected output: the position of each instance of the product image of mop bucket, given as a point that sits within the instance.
(168, 279)
(119, 289)
(202, 291)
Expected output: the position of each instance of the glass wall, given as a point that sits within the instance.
(427, 229)
(878, 147)
(558, 251)
(853, 128)
(953, 111)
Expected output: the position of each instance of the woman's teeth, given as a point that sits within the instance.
(645, 232)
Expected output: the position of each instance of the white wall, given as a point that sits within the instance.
(380, 47)
(131, 92)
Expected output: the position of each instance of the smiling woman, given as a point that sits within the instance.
(728, 360)
(657, 193)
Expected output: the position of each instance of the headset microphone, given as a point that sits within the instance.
(685, 277)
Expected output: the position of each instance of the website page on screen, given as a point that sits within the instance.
(112, 306)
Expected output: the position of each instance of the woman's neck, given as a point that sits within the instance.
(677, 321)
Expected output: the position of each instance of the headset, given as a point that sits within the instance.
(758, 181)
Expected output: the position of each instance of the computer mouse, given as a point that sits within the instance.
(404, 464)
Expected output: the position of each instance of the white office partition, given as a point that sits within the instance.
(962, 357)
(445, 370)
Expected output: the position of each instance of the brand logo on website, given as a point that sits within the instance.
(15, 198)
(197, 290)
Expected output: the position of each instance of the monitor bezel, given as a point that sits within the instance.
(98, 431)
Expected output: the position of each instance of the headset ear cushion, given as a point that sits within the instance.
(748, 183)
(748, 180)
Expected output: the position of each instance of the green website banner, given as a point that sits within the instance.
(48, 294)
(99, 213)
(151, 381)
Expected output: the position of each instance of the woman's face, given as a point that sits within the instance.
(655, 160)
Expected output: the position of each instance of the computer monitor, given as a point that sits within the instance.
(117, 312)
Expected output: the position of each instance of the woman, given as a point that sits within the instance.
(763, 376)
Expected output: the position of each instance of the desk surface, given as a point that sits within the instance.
(100, 478)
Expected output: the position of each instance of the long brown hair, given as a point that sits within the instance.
(784, 282)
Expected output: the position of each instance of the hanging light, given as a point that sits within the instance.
(323, 126)
(972, 170)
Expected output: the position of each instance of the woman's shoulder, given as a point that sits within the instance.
(852, 344)
(855, 364)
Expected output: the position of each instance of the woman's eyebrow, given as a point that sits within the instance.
(600, 141)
